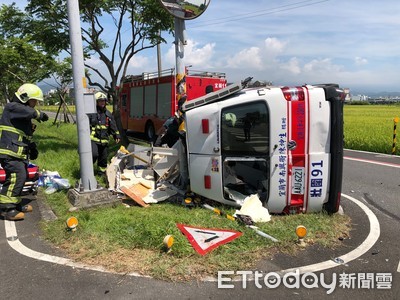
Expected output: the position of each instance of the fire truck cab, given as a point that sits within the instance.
(283, 143)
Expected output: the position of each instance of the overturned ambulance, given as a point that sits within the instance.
(284, 144)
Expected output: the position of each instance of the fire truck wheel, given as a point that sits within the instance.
(150, 132)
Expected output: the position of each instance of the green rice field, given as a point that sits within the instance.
(371, 127)
(366, 127)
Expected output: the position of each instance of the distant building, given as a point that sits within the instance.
(359, 98)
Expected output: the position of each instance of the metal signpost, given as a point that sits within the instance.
(87, 193)
(182, 10)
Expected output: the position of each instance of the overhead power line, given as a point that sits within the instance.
(259, 13)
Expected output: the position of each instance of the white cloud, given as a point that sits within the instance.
(247, 58)
(318, 66)
(359, 61)
(198, 57)
(293, 66)
(139, 62)
(273, 46)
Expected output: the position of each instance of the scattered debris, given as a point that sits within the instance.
(52, 181)
(136, 192)
(253, 207)
(243, 219)
(375, 252)
(130, 174)
(151, 175)
(219, 212)
(338, 260)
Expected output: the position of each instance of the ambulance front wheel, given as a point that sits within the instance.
(150, 131)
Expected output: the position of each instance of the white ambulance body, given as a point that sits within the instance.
(283, 144)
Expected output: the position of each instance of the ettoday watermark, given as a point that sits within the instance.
(309, 280)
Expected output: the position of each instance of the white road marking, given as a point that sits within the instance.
(398, 267)
(373, 162)
(15, 243)
(371, 239)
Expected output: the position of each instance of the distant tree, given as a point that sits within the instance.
(22, 58)
(63, 77)
(105, 25)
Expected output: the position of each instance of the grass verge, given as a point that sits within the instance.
(130, 239)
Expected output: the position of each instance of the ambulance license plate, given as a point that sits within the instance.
(298, 180)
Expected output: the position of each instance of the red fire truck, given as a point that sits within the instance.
(149, 99)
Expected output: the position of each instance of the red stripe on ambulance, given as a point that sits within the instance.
(298, 143)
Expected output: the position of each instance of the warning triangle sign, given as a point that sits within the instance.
(204, 240)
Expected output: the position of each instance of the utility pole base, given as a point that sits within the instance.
(88, 199)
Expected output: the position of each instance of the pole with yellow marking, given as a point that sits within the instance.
(395, 120)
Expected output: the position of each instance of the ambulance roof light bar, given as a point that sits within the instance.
(216, 96)
(212, 97)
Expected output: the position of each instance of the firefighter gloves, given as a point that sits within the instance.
(33, 152)
(43, 117)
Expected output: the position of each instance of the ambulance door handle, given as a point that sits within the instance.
(216, 149)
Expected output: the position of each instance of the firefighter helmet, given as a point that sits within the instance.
(29, 91)
(100, 96)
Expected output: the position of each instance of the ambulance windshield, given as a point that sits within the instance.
(245, 152)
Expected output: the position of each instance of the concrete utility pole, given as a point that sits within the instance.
(88, 180)
(180, 42)
(83, 195)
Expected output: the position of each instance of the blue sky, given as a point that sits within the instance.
(355, 43)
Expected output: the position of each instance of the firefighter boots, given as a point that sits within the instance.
(13, 215)
(24, 208)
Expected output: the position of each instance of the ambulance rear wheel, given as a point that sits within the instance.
(150, 131)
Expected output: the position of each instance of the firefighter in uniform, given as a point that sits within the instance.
(102, 126)
(16, 147)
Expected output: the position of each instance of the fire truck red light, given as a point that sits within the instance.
(205, 126)
(207, 181)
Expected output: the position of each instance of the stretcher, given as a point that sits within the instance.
(31, 182)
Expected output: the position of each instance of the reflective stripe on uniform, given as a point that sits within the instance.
(38, 114)
(14, 154)
(5, 199)
(12, 129)
(97, 140)
(13, 179)
(8, 198)
(20, 149)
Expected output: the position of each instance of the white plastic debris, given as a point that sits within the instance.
(253, 207)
